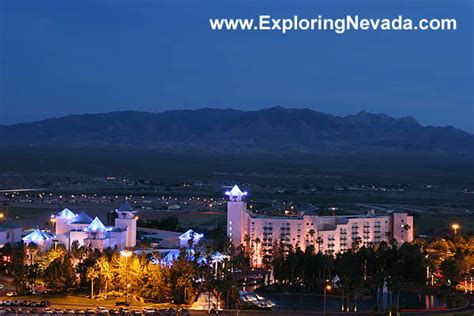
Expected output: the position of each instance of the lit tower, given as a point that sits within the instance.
(126, 219)
(236, 209)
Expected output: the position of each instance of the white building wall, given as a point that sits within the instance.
(337, 233)
(236, 221)
(62, 225)
(3, 238)
(131, 225)
(13, 235)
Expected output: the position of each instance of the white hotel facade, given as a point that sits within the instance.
(328, 234)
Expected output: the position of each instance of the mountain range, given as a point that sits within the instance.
(272, 130)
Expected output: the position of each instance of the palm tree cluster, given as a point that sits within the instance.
(108, 273)
(358, 272)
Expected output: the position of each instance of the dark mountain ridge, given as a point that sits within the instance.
(272, 130)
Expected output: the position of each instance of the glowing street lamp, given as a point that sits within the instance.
(455, 227)
(327, 287)
(2, 215)
(126, 254)
(53, 222)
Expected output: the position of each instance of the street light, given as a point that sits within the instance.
(53, 222)
(327, 287)
(126, 254)
(455, 227)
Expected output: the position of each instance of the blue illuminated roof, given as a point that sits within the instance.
(37, 235)
(96, 226)
(82, 218)
(126, 207)
(66, 213)
(9, 224)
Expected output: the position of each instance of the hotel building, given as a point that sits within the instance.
(329, 234)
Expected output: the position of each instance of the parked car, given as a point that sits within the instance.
(45, 304)
(183, 312)
(148, 311)
(12, 293)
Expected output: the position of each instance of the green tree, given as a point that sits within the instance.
(450, 270)
(54, 275)
(69, 273)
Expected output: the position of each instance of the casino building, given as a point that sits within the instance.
(70, 227)
(260, 233)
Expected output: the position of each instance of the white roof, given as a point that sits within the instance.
(235, 192)
(187, 235)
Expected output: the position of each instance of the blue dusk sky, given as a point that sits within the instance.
(71, 57)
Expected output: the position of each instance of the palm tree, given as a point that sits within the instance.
(257, 249)
(32, 249)
(92, 274)
(105, 274)
(311, 233)
(247, 242)
(319, 241)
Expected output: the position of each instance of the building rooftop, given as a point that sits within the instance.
(82, 218)
(126, 207)
(66, 213)
(37, 235)
(9, 224)
(235, 191)
(191, 234)
(96, 226)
